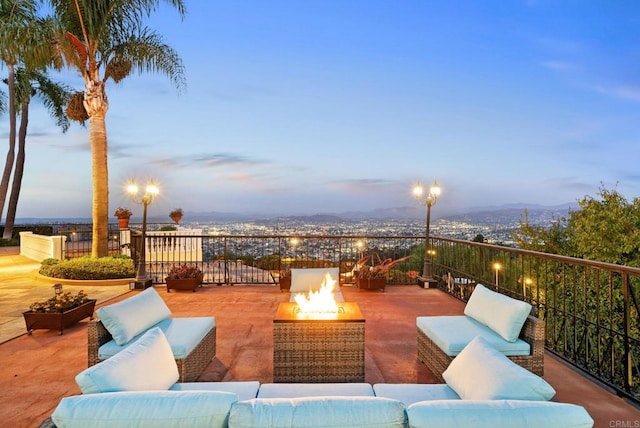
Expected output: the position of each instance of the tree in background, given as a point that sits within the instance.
(29, 84)
(606, 228)
(17, 27)
(105, 39)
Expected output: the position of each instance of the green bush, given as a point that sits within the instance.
(89, 268)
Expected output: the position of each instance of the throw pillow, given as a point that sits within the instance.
(500, 313)
(146, 364)
(127, 319)
(480, 372)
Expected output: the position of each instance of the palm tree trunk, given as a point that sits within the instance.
(96, 104)
(17, 175)
(8, 166)
(100, 179)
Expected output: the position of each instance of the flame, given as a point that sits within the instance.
(321, 301)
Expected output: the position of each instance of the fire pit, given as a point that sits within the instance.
(318, 347)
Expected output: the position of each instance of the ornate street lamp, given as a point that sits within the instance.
(151, 191)
(429, 201)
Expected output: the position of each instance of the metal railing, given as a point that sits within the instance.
(590, 309)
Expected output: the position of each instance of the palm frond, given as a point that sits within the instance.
(148, 53)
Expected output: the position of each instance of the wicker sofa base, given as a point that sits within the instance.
(189, 368)
(532, 332)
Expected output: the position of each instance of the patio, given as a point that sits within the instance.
(39, 370)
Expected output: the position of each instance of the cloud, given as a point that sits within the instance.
(209, 160)
(561, 66)
(361, 185)
(623, 92)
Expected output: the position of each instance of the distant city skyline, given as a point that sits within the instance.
(327, 106)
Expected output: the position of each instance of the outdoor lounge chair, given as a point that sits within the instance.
(505, 322)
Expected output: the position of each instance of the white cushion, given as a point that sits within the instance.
(410, 393)
(143, 409)
(326, 412)
(147, 364)
(305, 280)
(480, 372)
(497, 414)
(297, 390)
(245, 390)
(183, 334)
(453, 332)
(127, 319)
(501, 313)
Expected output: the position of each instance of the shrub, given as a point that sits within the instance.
(89, 268)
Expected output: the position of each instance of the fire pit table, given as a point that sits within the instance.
(318, 347)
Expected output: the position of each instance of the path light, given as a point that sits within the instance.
(497, 266)
(146, 199)
(526, 284)
(57, 289)
(429, 201)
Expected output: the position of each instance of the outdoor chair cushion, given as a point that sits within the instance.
(183, 334)
(293, 390)
(496, 414)
(501, 313)
(326, 412)
(410, 393)
(144, 409)
(245, 390)
(148, 364)
(481, 372)
(130, 317)
(452, 333)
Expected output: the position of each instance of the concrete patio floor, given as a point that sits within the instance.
(38, 370)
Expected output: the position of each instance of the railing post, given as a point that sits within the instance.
(628, 364)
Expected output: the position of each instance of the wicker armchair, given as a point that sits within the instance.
(533, 332)
(189, 368)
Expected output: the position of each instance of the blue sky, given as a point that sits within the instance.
(322, 106)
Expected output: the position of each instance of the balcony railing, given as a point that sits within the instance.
(590, 308)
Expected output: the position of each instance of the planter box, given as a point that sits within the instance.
(183, 284)
(285, 283)
(60, 320)
(371, 283)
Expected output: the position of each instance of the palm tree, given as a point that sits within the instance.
(30, 83)
(17, 24)
(105, 39)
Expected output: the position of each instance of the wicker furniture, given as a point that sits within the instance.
(189, 368)
(532, 332)
(318, 350)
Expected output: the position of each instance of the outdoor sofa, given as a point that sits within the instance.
(137, 388)
(504, 322)
(192, 339)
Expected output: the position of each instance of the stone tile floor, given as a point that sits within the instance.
(38, 370)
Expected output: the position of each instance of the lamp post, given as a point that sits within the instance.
(429, 201)
(151, 191)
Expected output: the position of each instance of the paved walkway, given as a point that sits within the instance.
(20, 285)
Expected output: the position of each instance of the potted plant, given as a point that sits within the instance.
(184, 277)
(284, 280)
(373, 271)
(61, 311)
(176, 215)
(123, 215)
